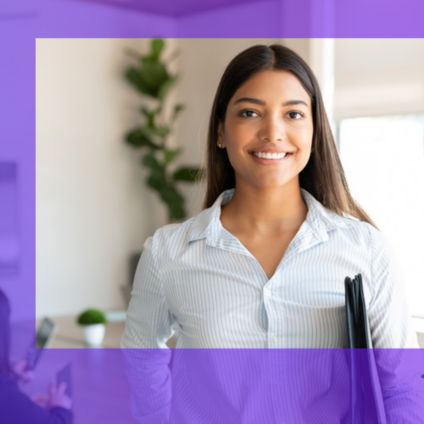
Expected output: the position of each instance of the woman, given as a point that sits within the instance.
(15, 406)
(263, 265)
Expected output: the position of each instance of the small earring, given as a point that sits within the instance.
(220, 145)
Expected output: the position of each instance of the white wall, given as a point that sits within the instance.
(93, 210)
(378, 76)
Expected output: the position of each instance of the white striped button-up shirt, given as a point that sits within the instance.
(197, 281)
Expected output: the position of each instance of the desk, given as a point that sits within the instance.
(69, 335)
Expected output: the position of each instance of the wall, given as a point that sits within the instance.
(378, 76)
(92, 208)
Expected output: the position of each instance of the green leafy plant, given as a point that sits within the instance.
(150, 76)
(91, 317)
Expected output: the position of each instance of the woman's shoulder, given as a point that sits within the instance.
(171, 239)
(343, 225)
(365, 234)
(356, 233)
(355, 224)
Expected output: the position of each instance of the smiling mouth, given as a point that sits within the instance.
(271, 155)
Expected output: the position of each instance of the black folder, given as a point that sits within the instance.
(367, 405)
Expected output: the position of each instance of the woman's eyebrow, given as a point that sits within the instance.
(262, 102)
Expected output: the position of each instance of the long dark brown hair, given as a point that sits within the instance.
(323, 175)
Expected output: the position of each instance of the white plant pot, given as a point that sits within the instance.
(94, 334)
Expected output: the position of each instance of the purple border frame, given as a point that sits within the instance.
(23, 22)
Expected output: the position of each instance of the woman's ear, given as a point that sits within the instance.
(220, 142)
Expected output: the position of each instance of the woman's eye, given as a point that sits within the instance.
(247, 113)
(295, 115)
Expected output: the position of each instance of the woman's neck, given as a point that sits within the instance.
(265, 211)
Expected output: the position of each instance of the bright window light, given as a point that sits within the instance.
(383, 158)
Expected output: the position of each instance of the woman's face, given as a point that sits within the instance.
(268, 130)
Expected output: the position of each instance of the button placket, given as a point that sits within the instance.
(267, 298)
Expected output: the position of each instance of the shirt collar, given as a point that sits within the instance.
(319, 220)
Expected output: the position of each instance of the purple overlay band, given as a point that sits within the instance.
(237, 385)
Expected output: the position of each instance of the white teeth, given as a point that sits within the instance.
(263, 155)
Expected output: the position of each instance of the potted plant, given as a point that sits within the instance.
(94, 323)
(150, 77)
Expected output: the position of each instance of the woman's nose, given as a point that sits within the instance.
(272, 130)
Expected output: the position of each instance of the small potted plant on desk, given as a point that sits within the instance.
(94, 323)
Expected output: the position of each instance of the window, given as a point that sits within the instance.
(383, 158)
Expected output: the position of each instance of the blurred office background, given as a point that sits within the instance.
(93, 208)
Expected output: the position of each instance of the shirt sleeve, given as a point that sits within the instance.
(149, 321)
(389, 317)
(147, 329)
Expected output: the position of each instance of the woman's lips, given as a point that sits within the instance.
(271, 157)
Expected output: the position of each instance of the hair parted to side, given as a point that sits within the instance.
(323, 175)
